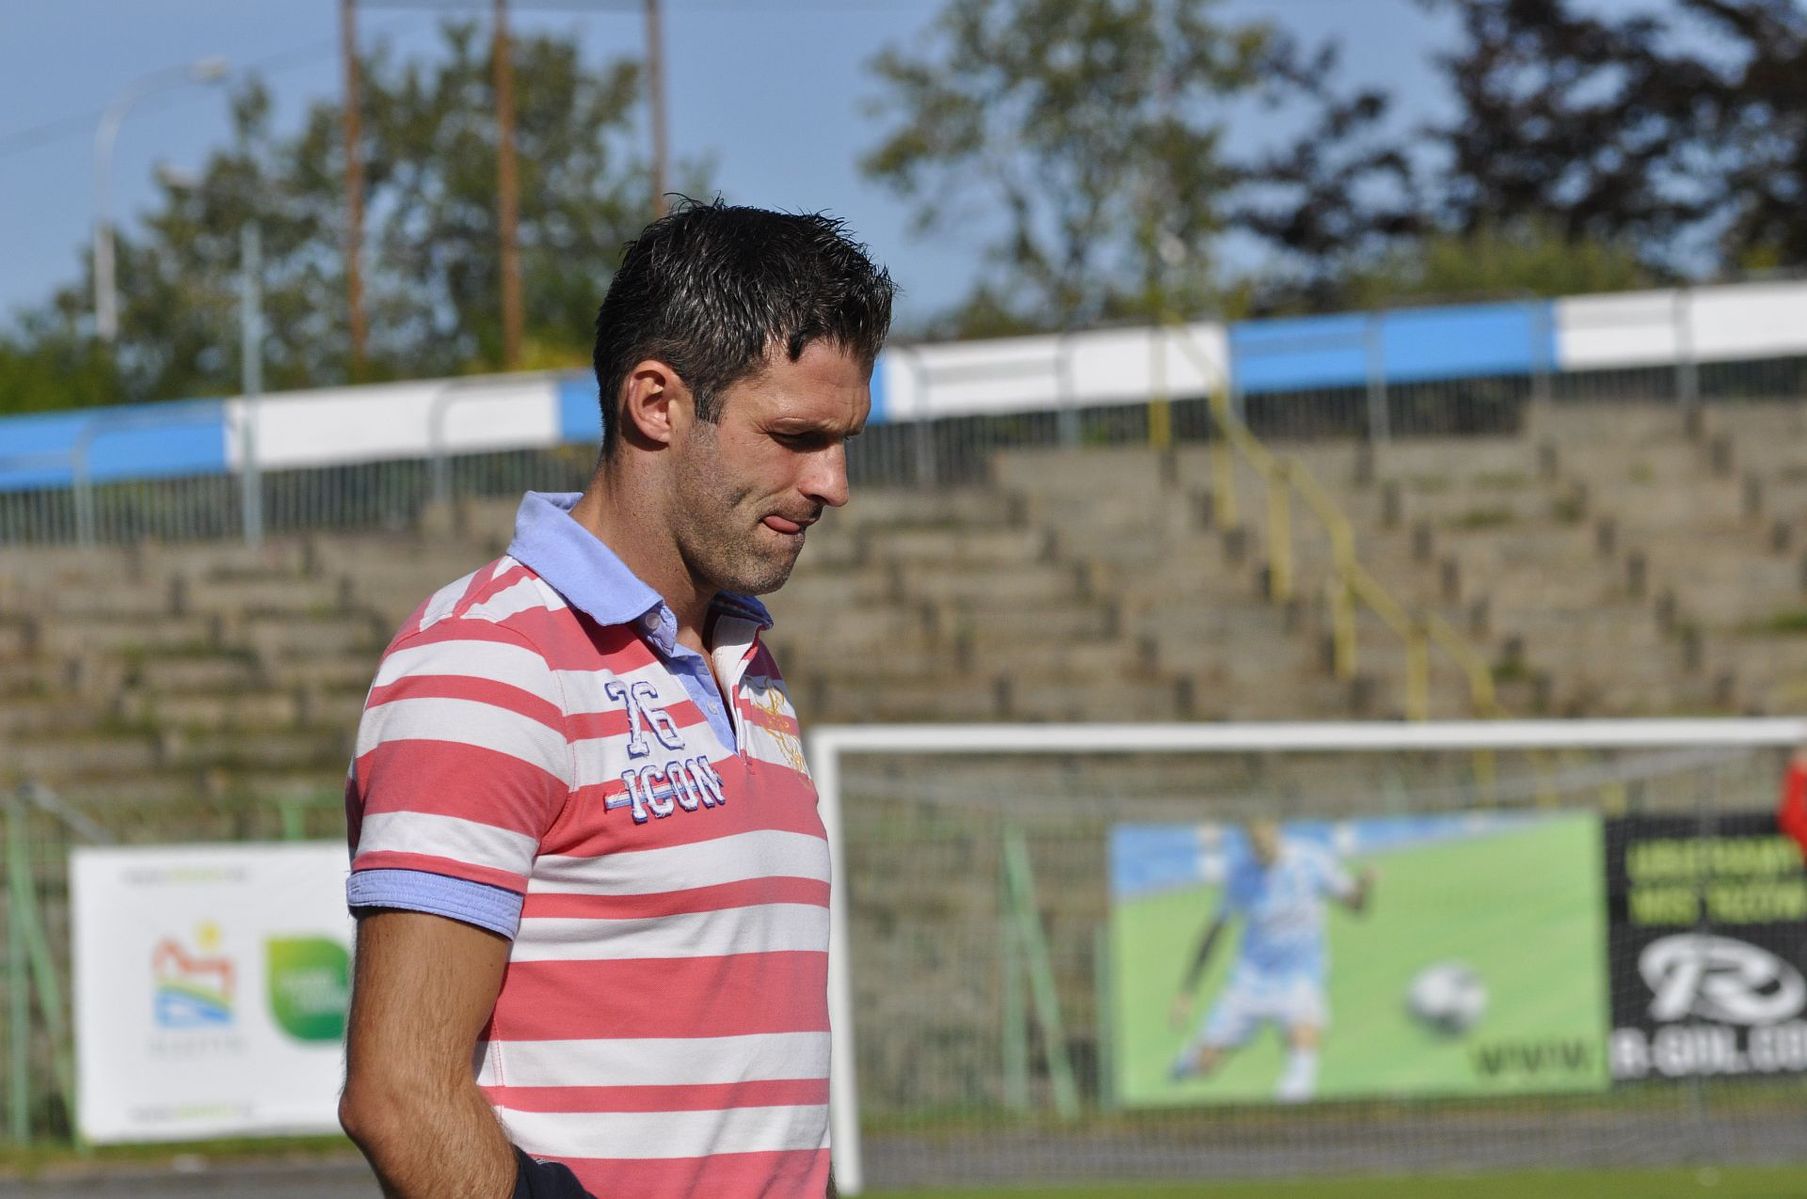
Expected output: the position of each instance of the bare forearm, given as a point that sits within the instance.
(434, 1143)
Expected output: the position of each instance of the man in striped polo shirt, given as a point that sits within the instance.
(591, 880)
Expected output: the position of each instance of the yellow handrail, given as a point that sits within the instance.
(1351, 582)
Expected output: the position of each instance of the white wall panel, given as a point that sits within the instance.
(1657, 328)
(396, 420)
(1025, 374)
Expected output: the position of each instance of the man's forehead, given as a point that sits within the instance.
(830, 387)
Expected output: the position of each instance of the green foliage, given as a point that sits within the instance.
(1529, 259)
(49, 364)
(431, 261)
(1092, 127)
(1484, 518)
(1785, 622)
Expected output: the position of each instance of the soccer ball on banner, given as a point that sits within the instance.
(1446, 997)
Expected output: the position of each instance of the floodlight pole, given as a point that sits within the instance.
(251, 374)
(354, 185)
(106, 295)
(508, 203)
(655, 107)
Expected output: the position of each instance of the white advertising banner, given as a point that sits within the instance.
(211, 984)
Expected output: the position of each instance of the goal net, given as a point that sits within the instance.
(1439, 948)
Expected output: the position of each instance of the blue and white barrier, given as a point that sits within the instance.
(425, 419)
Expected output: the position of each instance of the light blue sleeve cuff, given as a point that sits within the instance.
(494, 908)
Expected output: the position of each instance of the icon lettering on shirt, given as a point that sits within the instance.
(686, 784)
(643, 716)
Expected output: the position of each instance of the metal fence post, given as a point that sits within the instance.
(1379, 421)
(18, 983)
(922, 436)
(1543, 363)
(1687, 370)
(84, 493)
(251, 372)
(444, 400)
(1066, 410)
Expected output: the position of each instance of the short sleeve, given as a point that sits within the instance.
(462, 758)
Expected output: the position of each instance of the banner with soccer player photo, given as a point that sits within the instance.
(1709, 947)
(1457, 954)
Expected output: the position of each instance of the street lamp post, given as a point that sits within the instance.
(106, 299)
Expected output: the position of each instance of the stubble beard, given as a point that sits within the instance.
(716, 523)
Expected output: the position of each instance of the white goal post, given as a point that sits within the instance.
(829, 745)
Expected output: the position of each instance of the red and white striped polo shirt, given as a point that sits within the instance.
(662, 1026)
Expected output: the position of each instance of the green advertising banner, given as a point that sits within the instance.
(1409, 956)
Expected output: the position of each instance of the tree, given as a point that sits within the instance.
(1094, 127)
(1578, 123)
(433, 292)
(1753, 155)
(1528, 259)
(1335, 198)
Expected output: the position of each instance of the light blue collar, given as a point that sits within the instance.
(592, 579)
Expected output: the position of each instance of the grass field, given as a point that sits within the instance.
(1521, 905)
(1747, 1183)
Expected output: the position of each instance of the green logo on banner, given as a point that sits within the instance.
(310, 986)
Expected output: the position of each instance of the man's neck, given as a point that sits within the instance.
(644, 543)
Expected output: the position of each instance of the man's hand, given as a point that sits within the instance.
(424, 987)
(1180, 1014)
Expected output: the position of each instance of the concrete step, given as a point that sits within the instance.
(995, 548)
(55, 758)
(853, 701)
(1622, 423)
(274, 638)
(246, 710)
(1031, 624)
(974, 587)
(230, 671)
(265, 749)
(1098, 700)
(953, 507)
(103, 633)
(30, 718)
(1093, 470)
(820, 593)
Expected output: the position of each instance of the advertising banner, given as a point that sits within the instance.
(211, 984)
(1709, 947)
(1459, 954)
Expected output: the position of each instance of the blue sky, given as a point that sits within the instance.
(770, 90)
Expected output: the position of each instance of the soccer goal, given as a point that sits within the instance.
(1308, 950)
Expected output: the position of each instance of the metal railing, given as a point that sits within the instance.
(1350, 583)
(944, 433)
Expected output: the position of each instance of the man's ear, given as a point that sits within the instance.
(649, 392)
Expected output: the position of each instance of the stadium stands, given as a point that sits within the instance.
(1607, 560)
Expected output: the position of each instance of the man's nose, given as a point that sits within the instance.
(826, 482)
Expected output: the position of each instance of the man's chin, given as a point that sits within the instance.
(764, 577)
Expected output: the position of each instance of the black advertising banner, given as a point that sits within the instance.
(1707, 923)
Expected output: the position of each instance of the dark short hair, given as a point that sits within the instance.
(712, 288)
